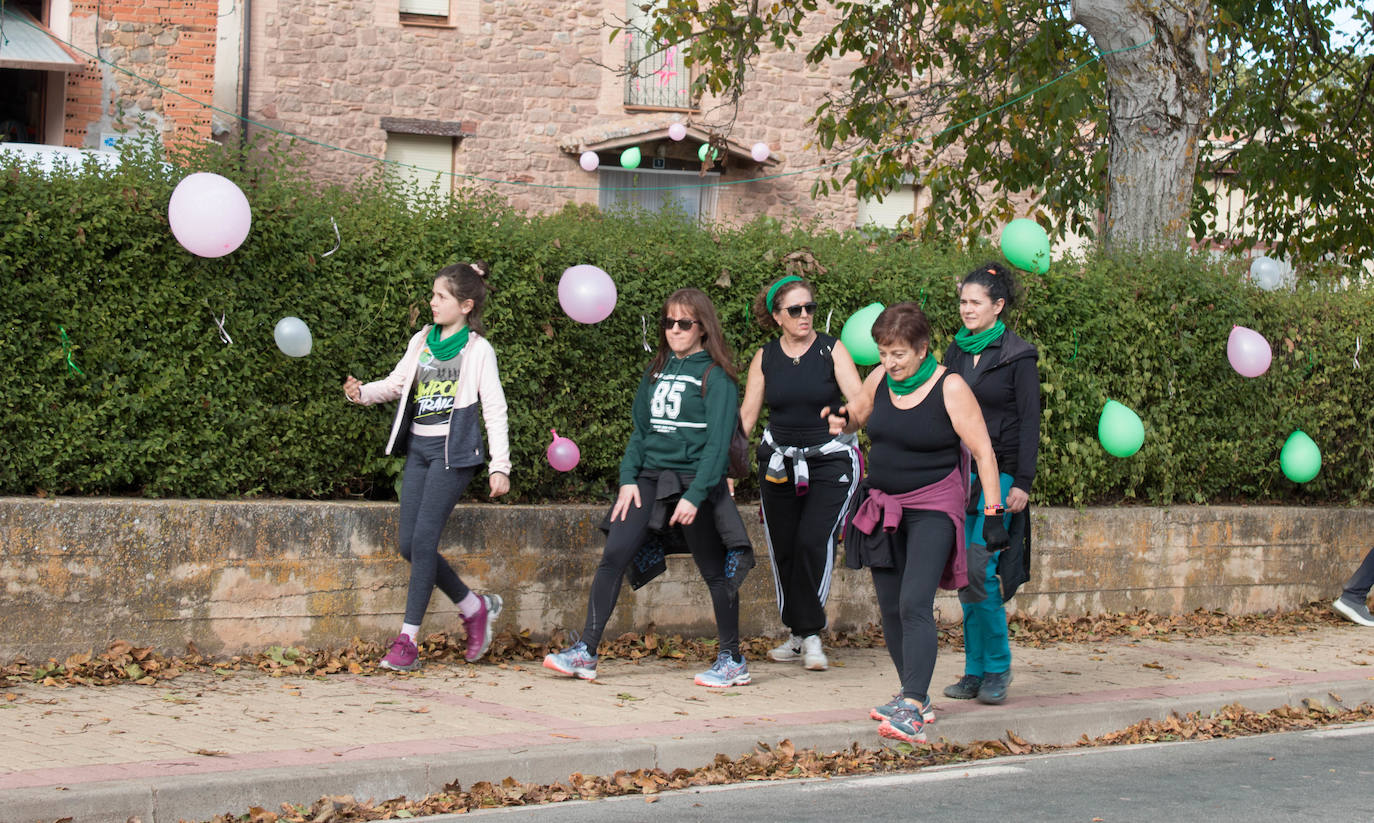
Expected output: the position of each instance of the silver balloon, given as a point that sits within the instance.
(293, 337)
(1266, 272)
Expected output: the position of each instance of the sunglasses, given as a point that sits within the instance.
(684, 323)
(796, 311)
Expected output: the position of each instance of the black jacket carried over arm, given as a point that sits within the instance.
(1007, 385)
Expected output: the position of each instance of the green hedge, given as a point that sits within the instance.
(165, 408)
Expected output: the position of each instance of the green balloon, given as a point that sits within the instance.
(706, 147)
(1300, 458)
(629, 159)
(1026, 245)
(857, 334)
(1120, 430)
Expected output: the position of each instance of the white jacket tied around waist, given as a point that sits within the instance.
(478, 379)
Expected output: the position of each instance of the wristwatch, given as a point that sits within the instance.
(994, 511)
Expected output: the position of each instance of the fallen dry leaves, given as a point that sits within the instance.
(122, 662)
(784, 761)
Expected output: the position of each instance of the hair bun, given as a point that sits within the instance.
(480, 267)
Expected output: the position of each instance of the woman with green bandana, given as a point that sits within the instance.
(807, 476)
(448, 369)
(1000, 368)
(908, 527)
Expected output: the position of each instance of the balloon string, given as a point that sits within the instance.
(67, 347)
(338, 241)
(828, 315)
(644, 332)
(219, 322)
(923, 297)
(1357, 351)
(1074, 356)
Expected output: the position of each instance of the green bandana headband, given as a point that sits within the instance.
(773, 291)
(909, 385)
(448, 348)
(975, 343)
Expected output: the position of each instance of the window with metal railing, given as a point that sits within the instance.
(656, 75)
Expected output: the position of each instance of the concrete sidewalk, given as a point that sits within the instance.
(205, 744)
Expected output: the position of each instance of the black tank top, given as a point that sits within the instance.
(796, 392)
(911, 447)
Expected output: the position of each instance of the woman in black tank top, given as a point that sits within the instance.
(920, 417)
(807, 476)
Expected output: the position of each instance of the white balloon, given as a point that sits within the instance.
(760, 152)
(589, 161)
(209, 214)
(677, 131)
(293, 337)
(1266, 272)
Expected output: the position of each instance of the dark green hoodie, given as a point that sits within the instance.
(677, 428)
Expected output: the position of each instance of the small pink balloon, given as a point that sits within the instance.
(760, 152)
(586, 293)
(563, 454)
(1248, 352)
(209, 215)
(677, 131)
(589, 161)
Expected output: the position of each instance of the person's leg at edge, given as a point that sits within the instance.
(1357, 587)
(1354, 600)
(994, 645)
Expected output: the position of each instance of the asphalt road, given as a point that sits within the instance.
(1315, 775)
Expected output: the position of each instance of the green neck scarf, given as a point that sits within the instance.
(975, 343)
(909, 385)
(448, 348)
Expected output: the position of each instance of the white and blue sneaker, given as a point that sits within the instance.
(725, 673)
(574, 661)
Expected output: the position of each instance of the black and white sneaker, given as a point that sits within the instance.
(1356, 610)
(790, 650)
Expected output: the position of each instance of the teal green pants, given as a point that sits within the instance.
(986, 647)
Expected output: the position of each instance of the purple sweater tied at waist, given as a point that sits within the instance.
(949, 495)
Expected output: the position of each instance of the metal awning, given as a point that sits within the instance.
(27, 44)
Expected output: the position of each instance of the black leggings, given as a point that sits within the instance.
(906, 596)
(626, 537)
(428, 494)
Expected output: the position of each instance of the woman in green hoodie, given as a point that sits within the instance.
(673, 474)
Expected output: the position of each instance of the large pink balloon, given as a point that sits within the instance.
(586, 293)
(563, 454)
(209, 215)
(1248, 352)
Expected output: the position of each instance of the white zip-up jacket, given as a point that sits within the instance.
(478, 379)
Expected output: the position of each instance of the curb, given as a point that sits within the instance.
(202, 796)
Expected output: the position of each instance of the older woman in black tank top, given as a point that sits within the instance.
(921, 417)
(807, 476)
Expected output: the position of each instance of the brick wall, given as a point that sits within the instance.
(527, 74)
(169, 41)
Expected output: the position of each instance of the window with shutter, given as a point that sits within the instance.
(655, 191)
(427, 10)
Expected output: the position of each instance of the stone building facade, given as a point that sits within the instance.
(496, 94)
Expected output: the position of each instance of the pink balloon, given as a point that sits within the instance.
(209, 215)
(562, 453)
(586, 293)
(677, 131)
(589, 161)
(1248, 352)
(760, 152)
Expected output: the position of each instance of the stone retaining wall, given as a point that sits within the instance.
(77, 573)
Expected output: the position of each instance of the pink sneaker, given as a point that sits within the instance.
(479, 627)
(403, 656)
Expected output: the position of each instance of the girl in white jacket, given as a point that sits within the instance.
(447, 369)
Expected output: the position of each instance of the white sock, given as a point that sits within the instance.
(470, 605)
(410, 630)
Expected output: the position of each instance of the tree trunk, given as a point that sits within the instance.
(1158, 103)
